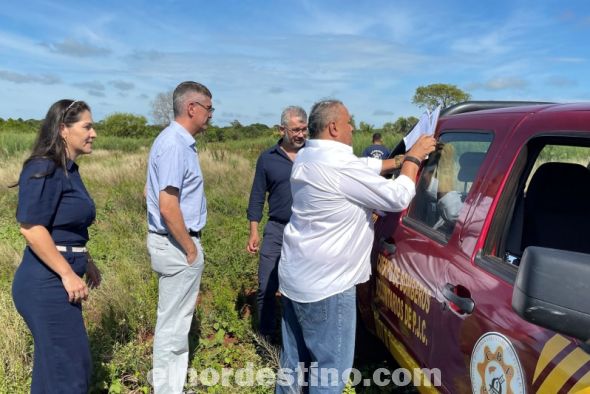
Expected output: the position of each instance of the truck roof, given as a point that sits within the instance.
(516, 107)
(503, 119)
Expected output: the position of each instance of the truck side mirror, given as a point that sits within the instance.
(551, 290)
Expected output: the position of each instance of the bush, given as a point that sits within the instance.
(19, 125)
(125, 125)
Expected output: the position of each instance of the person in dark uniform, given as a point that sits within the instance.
(377, 150)
(273, 170)
(54, 211)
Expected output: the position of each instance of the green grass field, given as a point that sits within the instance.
(120, 315)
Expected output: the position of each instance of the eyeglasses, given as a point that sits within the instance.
(209, 109)
(299, 130)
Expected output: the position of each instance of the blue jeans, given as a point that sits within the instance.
(321, 336)
(268, 279)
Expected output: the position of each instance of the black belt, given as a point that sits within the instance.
(191, 233)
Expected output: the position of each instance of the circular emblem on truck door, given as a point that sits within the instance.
(495, 367)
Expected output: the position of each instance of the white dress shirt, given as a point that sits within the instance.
(327, 243)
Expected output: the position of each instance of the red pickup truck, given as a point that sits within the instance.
(494, 247)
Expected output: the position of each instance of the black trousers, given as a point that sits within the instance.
(268, 278)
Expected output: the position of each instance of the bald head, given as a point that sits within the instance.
(330, 120)
(322, 113)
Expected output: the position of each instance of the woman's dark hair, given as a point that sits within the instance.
(49, 143)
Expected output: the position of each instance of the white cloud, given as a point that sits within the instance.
(46, 79)
(276, 90)
(96, 93)
(500, 83)
(257, 60)
(14, 44)
(76, 48)
(490, 38)
(91, 85)
(122, 85)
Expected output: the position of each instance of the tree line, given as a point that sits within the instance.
(137, 126)
(130, 125)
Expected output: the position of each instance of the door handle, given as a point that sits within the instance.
(388, 245)
(463, 304)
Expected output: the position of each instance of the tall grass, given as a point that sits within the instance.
(14, 143)
(361, 140)
(251, 148)
(124, 144)
(120, 315)
(15, 346)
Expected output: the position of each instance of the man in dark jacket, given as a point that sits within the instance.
(273, 170)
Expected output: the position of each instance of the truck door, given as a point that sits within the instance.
(542, 202)
(413, 265)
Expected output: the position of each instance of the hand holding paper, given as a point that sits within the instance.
(425, 126)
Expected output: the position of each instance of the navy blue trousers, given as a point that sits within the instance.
(62, 362)
(268, 276)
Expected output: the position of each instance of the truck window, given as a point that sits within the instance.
(547, 207)
(552, 209)
(560, 154)
(446, 179)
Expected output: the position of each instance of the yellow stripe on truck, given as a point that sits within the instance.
(582, 386)
(401, 355)
(550, 350)
(563, 371)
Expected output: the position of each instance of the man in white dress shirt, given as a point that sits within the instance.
(327, 246)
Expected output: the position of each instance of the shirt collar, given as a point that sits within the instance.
(71, 165)
(183, 133)
(331, 144)
(278, 148)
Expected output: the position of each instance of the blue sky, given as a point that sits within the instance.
(260, 56)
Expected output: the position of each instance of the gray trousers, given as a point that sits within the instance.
(178, 288)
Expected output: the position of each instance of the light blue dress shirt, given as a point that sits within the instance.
(174, 161)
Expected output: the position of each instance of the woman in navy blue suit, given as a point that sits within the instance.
(54, 211)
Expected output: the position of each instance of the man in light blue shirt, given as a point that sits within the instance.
(177, 212)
